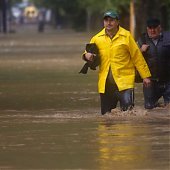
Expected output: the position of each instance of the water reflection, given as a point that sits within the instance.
(77, 140)
(125, 146)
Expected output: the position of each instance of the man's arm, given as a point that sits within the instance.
(138, 59)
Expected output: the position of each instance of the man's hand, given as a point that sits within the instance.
(144, 48)
(146, 82)
(89, 56)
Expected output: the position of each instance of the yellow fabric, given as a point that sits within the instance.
(122, 55)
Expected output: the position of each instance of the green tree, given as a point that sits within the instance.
(155, 8)
(81, 14)
(99, 6)
(87, 14)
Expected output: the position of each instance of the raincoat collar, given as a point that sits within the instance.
(121, 31)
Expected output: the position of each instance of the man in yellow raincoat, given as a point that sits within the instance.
(119, 56)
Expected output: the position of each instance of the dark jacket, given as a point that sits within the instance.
(158, 56)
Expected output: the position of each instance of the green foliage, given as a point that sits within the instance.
(15, 1)
(77, 13)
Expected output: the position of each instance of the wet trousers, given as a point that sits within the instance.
(154, 92)
(112, 96)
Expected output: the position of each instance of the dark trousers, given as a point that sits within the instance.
(112, 96)
(154, 92)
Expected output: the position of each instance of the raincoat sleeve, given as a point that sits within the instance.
(138, 59)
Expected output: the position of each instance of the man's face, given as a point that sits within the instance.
(154, 32)
(110, 23)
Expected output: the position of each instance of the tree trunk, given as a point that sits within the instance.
(88, 20)
(132, 18)
(4, 16)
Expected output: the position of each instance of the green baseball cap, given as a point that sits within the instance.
(111, 14)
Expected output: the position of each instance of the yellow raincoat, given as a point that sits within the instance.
(122, 55)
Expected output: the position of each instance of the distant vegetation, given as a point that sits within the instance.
(85, 15)
(78, 13)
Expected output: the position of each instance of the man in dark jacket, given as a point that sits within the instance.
(155, 46)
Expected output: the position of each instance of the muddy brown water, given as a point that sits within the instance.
(49, 114)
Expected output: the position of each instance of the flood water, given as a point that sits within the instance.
(50, 115)
(65, 140)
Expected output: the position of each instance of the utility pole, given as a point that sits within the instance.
(132, 17)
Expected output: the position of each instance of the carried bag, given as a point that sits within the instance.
(91, 48)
